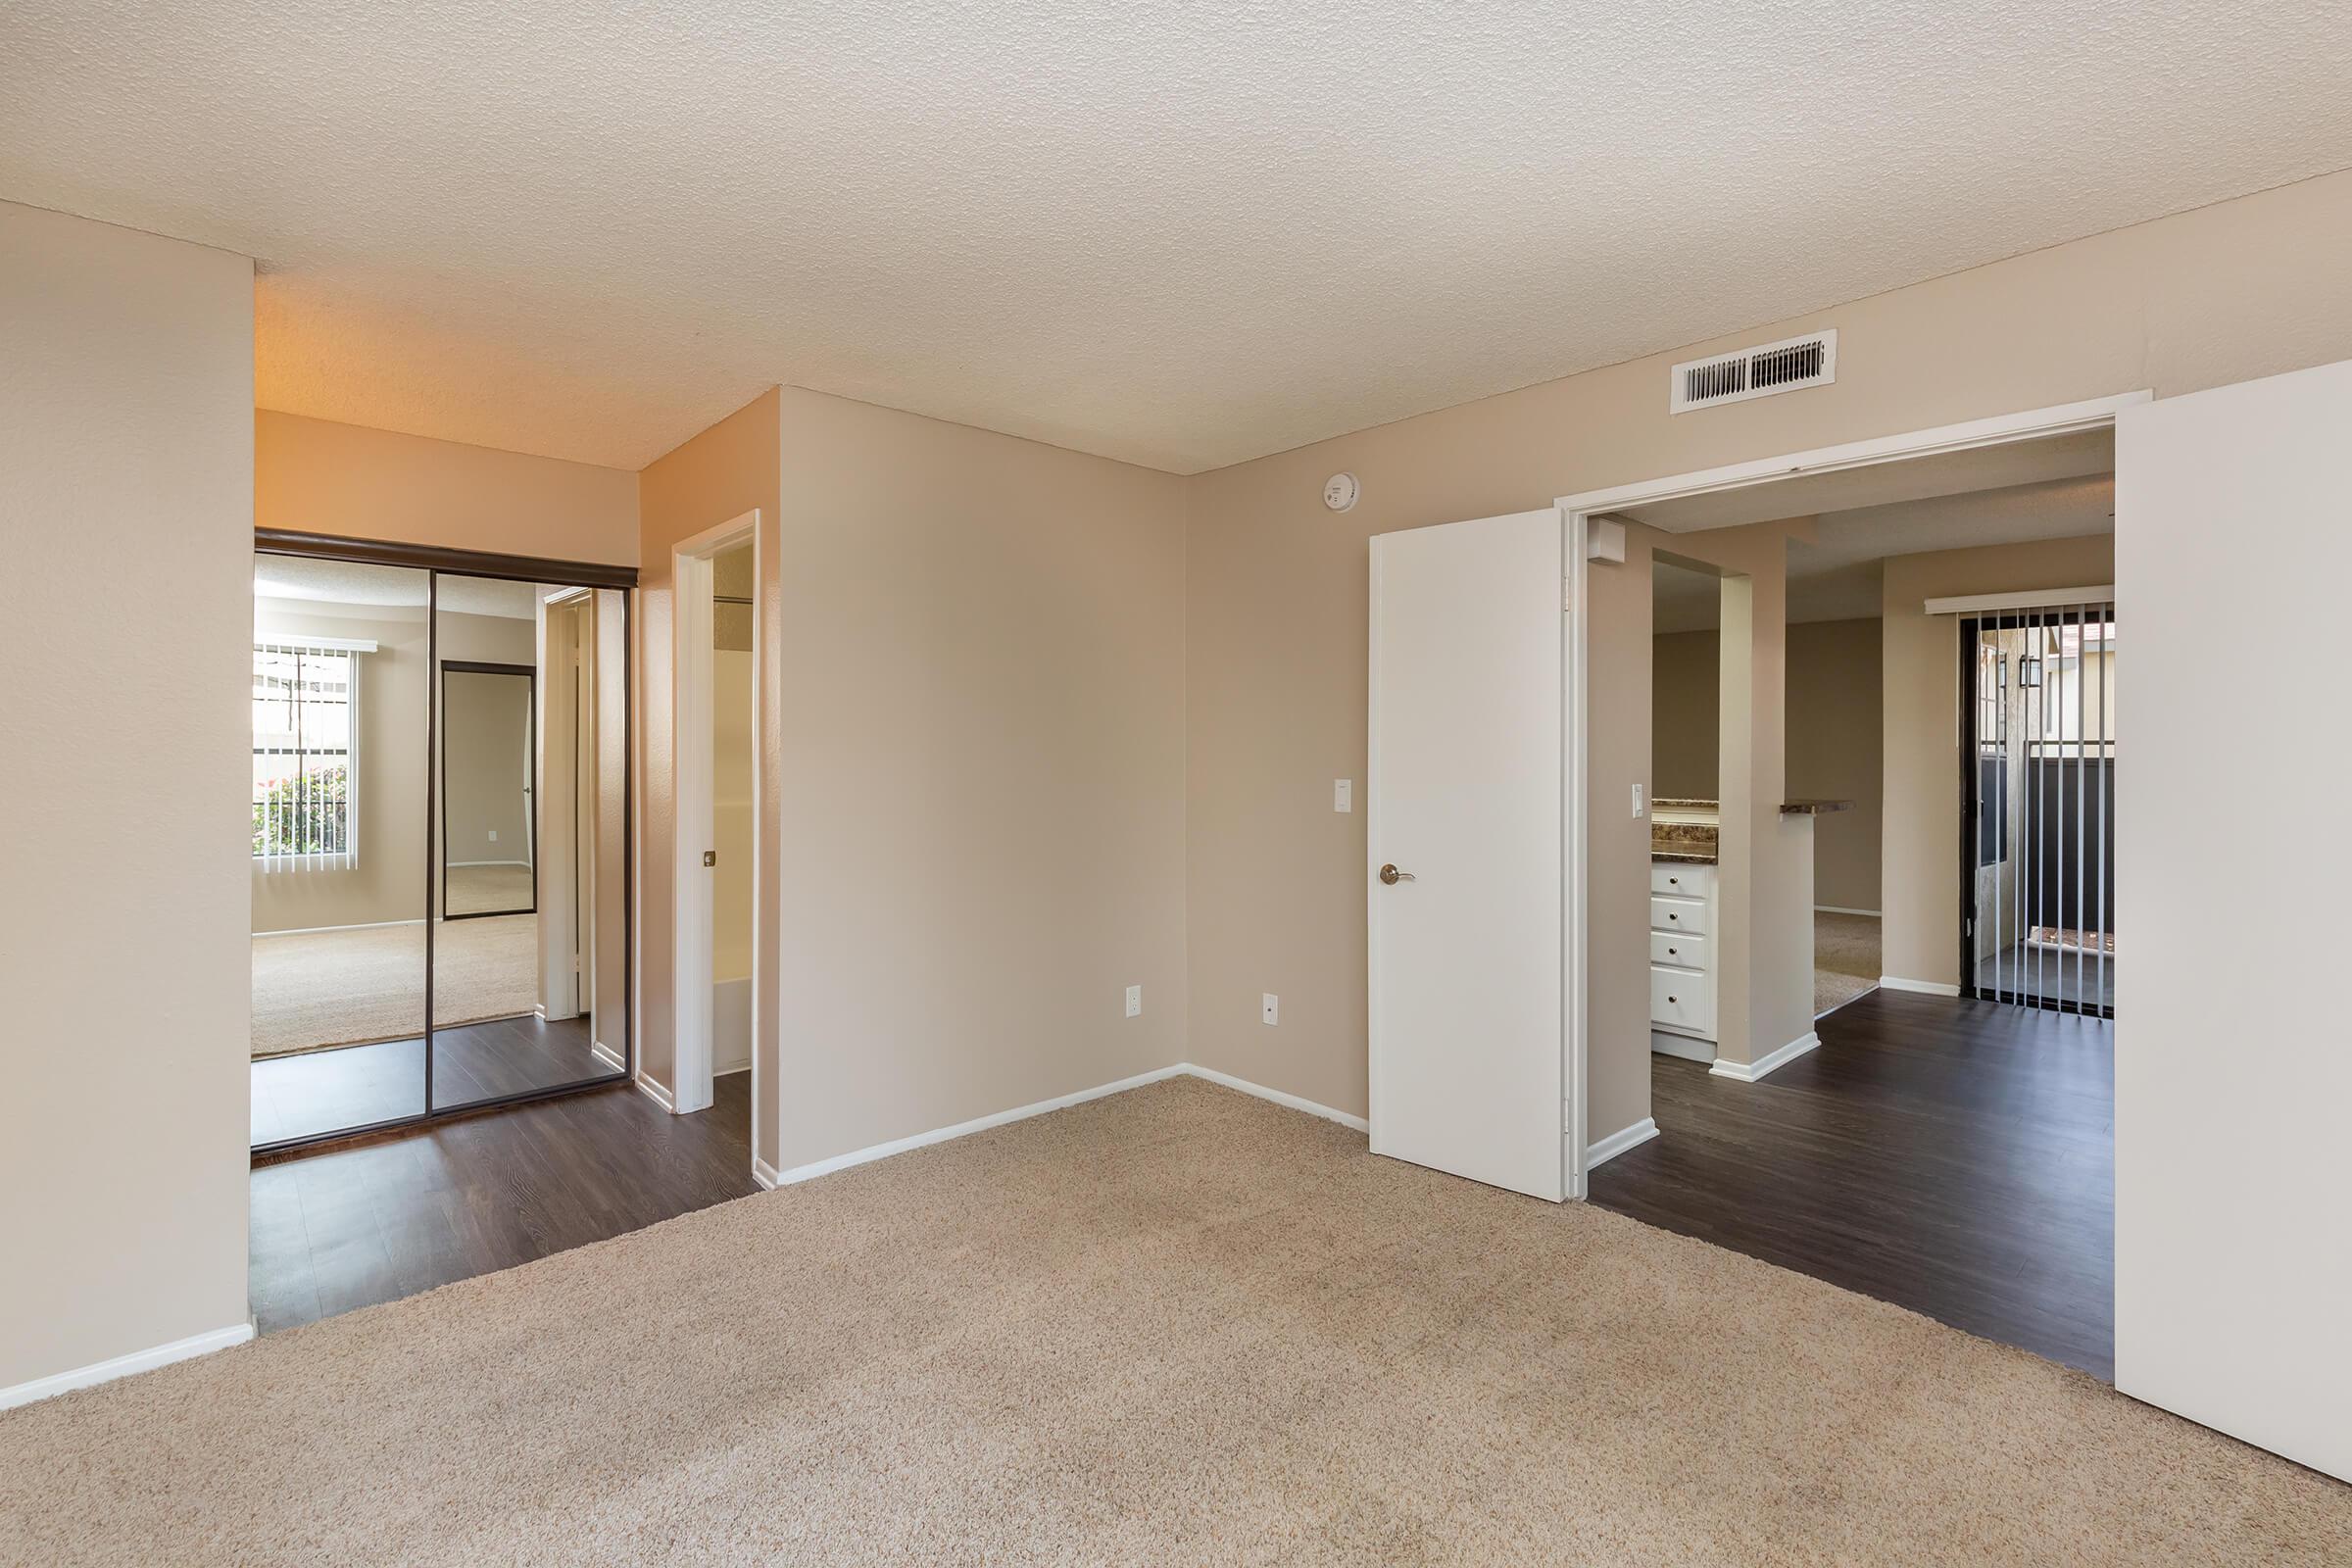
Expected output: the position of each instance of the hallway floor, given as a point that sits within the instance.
(358, 1086)
(349, 1228)
(1955, 1158)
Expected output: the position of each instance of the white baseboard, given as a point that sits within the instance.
(656, 1092)
(123, 1366)
(608, 1055)
(523, 863)
(1682, 1045)
(1839, 909)
(980, 1124)
(1924, 988)
(320, 930)
(1617, 1143)
(1276, 1095)
(1747, 1072)
(764, 1173)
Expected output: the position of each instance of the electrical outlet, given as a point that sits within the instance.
(1135, 1001)
(1343, 794)
(1269, 1008)
(494, 835)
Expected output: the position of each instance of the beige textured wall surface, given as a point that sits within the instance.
(1920, 874)
(981, 680)
(1685, 698)
(1276, 609)
(316, 476)
(1835, 751)
(126, 376)
(725, 471)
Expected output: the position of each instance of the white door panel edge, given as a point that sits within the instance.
(1467, 796)
(2233, 1257)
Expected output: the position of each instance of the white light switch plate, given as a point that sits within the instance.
(1135, 1001)
(1269, 1008)
(1343, 794)
(1638, 802)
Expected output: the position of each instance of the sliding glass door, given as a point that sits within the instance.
(440, 838)
(2037, 780)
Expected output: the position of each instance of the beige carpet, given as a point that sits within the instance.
(488, 889)
(1846, 958)
(1175, 1326)
(316, 988)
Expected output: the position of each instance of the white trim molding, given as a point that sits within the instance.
(2024, 598)
(1618, 1141)
(1747, 1072)
(1924, 988)
(980, 1124)
(656, 1094)
(123, 1366)
(608, 1055)
(1839, 909)
(764, 1173)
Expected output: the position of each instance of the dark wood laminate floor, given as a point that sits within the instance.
(358, 1086)
(346, 1228)
(1955, 1158)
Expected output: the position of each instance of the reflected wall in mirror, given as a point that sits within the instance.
(489, 768)
(529, 976)
(339, 900)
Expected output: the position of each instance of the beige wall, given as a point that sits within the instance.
(1685, 700)
(1920, 877)
(126, 376)
(725, 471)
(316, 476)
(486, 741)
(972, 754)
(1276, 603)
(1834, 739)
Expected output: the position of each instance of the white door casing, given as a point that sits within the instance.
(2232, 1253)
(1466, 791)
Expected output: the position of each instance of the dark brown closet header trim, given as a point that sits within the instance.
(438, 558)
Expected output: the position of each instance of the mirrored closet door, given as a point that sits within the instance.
(440, 838)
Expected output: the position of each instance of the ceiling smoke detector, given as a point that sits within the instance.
(1339, 491)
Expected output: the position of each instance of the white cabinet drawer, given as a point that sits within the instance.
(1679, 948)
(1682, 999)
(1683, 881)
(1678, 914)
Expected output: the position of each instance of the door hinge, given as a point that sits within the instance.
(1567, 593)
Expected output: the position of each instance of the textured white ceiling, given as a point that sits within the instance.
(1182, 235)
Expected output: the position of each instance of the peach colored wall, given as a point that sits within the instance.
(1276, 605)
(127, 377)
(725, 471)
(316, 476)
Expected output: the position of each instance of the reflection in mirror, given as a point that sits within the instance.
(339, 710)
(529, 989)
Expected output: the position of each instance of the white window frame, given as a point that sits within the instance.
(348, 856)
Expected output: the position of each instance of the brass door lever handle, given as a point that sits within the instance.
(1391, 876)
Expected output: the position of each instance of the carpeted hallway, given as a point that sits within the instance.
(1846, 958)
(1177, 1325)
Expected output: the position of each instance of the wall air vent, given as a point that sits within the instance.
(1757, 372)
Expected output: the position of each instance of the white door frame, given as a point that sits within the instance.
(693, 671)
(2032, 424)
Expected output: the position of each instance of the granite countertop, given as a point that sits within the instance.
(1684, 843)
(1814, 807)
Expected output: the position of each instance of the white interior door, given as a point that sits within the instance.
(2232, 1067)
(1466, 798)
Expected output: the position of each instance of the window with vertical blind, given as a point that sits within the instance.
(306, 795)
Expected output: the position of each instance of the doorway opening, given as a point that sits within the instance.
(717, 787)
